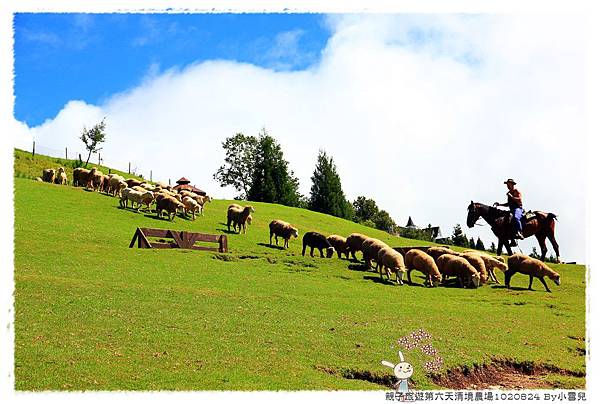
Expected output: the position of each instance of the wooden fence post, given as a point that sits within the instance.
(66, 154)
(150, 175)
(98, 158)
(129, 169)
(33, 153)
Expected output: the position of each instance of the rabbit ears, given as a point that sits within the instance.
(401, 356)
(388, 364)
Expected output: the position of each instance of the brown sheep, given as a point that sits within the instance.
(132, 182)
(477, 261)
(238, 227)
(94, 179)
(423, 262)
(238, 217)
(370, 248)
(530, 266)
(339, 243)
(279, 228)
(354, 243)
(48, 175)
(435, 252)
(392, 261)
(169, 204)
(452, 265)
(80, 176)
(491, 263)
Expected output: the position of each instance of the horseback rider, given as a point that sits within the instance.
(515, 204)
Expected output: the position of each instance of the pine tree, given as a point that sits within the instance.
(471, 243)
(493, 247)
(272, 181)
(479, 244)
(326, 194)
(459, 238)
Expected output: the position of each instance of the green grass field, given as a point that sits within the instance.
(92, 314)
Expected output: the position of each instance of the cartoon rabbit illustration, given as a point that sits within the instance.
(403, 371)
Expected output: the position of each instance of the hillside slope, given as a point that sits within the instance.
(93, 314)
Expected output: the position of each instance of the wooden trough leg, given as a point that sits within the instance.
(223, 244)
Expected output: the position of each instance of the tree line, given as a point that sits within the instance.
(255, 166)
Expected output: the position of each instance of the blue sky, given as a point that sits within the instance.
(89, 57)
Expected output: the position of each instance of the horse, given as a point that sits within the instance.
(542, 226)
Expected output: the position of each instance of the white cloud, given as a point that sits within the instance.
(421, 113)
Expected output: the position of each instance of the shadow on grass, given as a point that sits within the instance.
(377, 279)
(275, 247)
(519, 288)
(358, 267)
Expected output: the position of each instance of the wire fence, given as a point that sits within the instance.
(129, 167)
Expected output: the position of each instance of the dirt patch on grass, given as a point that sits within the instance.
(386, 380)
(501, 374)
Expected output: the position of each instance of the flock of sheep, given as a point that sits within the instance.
(471, 268)
(132, 190)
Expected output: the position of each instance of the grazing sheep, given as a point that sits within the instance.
(339, 243)
(132, 182)
(435, 252)
(478, 264)
(530, 266)
(237, 217)
(191, 205)
(202, 200)
(491, 263)
(279, 228)
(452, 265)
(423, 262)
(238, 228)
(370, 248)
(116, 185)
(148, 187)
(168, 204)
(48, 175)
(137, 197)
(392, 261)
(354, 243)
(94, 179)
(139, 188)
(80, 176)
(61, 177)
(316, 240)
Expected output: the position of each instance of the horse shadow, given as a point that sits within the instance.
(275, 247)
(519, 288)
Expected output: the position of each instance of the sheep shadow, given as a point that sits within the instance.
(227, 231)
(377, 279)
(275, 247)
(358, 267)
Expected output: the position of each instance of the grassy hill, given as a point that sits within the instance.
(92, 314)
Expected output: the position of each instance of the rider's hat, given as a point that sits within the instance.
(510, 181)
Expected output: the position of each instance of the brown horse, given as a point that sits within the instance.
(541, 226)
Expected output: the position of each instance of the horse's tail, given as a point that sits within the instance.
(551, 220)
(552, 216)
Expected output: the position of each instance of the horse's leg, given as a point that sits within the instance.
(530, 281)
(542, 242)
(555, 246)
(508, 249)
(499, 252)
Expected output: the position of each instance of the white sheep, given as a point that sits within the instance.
(190, 206)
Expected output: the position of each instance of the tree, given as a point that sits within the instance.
(459, 238)
(272, 181)
(479, 244)
(364, 209)
(326, 194)
(383, 221)
(240, 158)
(472, 243)
(493, 247)
(93, 138)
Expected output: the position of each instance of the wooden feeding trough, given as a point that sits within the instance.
(177, 239)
